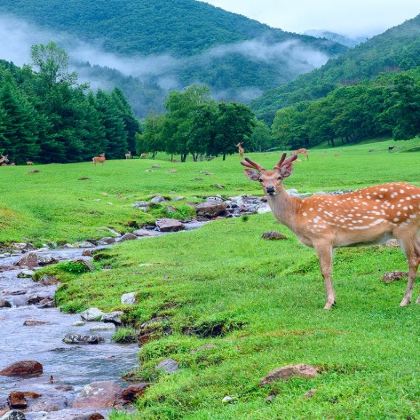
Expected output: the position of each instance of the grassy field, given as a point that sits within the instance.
(59, 204)
(238, 306)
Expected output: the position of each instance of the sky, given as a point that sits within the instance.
(352, 18)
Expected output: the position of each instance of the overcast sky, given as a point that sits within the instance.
(350, 17)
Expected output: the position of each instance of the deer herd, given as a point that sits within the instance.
(325, 222)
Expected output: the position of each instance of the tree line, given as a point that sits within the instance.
(47, 116)
(387, 106)
(196, 124)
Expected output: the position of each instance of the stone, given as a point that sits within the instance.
(5, 304)
(17, 399)
(211, 209)
(20, 246)
(153, 329)
(84, 244)
(83, 339)
(48, 280)
(128, 237)
(287, 372)
(24, 368)
(228, 400)
(169, 225)
(38, 298)
(113, 317)
(46, 303)
(13, 415)
(78, 324)
(142, 205)
(129, 298)
(178, 198)
(273, 236)
(106, 241)
(34, 323)
(270, 398)
(29, 260)
(44, 260)
(392, 243)
(158, 199)
(98, 395)
(168, 366)
(95, 416)
(87, 253)
(145, 233)
(134, 391)
(310, 393)
(394, 276)
(91, 315)
(25, 274)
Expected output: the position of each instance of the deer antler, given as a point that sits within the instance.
(250, 164)
(283, 161)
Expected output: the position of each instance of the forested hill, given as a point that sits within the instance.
(184, 42)
(180, 27)
(396, 49)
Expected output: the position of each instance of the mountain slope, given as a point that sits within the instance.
(333, 36)
(396, 49)
(183, 41)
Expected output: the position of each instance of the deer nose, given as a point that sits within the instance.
(270, 190)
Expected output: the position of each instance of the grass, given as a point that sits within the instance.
(68, 203)
(125, 335)
(239, 306)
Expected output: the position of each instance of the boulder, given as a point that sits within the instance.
(25, 274)
(20, 246)
(78, 324)
(34, 323)
(129, 298)
(24, 368)
(44, 260)
(38, 298)
(228, 400)
(169, 225)
(92, 314)
(273, 236)
(46, 303)
(29, 260)
(153, 329)
(394, 276)
(84, 244)
(168, 366)
(82, 339)
(106, 241)
(158, 199)
(13, 415)
(48, 280)
(87, 253)
(5, 304)
(17, 399)
(130, 394)
(128, 237)
(211, 209)
(87, 263)
(142, 205)
(113, 317)
(287, 372)
(98, 395)
(145, 233)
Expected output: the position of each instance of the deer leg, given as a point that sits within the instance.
(324, 252)
(413, 263)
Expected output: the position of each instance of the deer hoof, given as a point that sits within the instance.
(329, 305)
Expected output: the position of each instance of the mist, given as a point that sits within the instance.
(162, 72)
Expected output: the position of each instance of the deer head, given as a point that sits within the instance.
(270, 179)
(4, 158)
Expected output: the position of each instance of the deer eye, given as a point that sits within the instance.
(260, 180)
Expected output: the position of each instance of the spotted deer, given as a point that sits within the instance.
(304, 152)
(241, 149)
(128, 155)
(99, 159)
(4, 160)
(325, 222)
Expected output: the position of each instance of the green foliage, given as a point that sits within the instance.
(196, 124)
(46, 116)
(397, 49)
(125, 335)
(388, 105)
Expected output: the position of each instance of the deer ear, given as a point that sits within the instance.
(252, 174)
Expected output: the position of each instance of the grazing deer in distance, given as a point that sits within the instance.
(241, 149)
(128, 155)
(325, 222)
(4, 160)
(29, 162)
(99, 159)
(304, 152)
(144, 156)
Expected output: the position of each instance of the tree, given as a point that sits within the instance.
(151, 140)
(261, 138)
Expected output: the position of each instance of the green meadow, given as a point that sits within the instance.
(237, 306)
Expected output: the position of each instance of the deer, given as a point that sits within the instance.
(304, 152)
(241, 149)
(128, 155)
(327, 221)
(99, 159)
(4, 160)
(29, 163)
